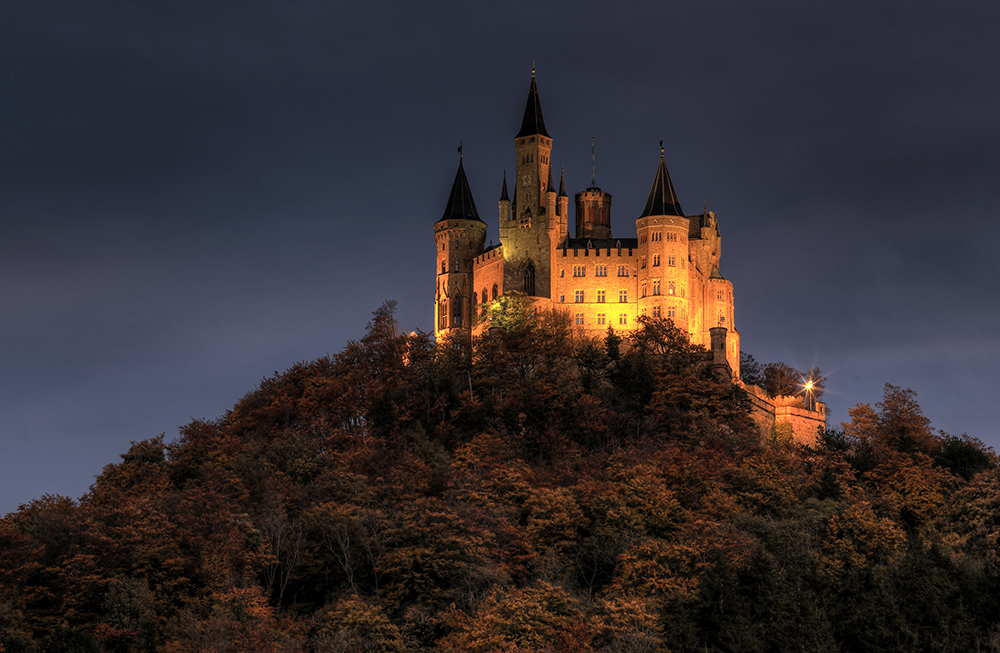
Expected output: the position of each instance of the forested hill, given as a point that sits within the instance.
(540, 493)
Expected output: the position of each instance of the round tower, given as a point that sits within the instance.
(458, 237)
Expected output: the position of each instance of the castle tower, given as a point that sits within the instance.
(527, 235)
(458, 236)
(593, 208)
(663, 253)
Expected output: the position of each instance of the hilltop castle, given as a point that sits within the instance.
(669, 269)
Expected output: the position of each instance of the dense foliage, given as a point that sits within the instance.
(539, 492)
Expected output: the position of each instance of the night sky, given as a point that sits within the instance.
(195, 195)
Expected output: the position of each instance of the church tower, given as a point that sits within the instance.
(533, 228)
(459, 236)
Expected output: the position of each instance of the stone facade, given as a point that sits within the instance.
(670, 269)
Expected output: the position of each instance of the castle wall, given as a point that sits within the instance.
(577, 270)
(786, 413)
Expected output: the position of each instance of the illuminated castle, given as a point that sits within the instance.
(670, 269)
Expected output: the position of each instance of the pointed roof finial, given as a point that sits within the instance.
(662, 197)
(503, 193)
(533, 123)
(460, 150)
(532, 68)
(460, 203)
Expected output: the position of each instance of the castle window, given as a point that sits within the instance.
(600, 296)
(456, 264)
(562, 298)
(671, 288)
(719, 294)
(578, 296)
(600, 318)
(642, 289)
(623, 296)
(622, 269)
(722, 319)
(656, 311)
(443, 314)
(671, 311)
(656, 260)
(671, 260)
(443, 267)
(672, 238)
(456, 311)
(684, 313)
(562, 273)
(529, 279)
(579, 318)
(601, 270)
(656, 288)
(494, 291)
(485, 299)
(579, 270)
(623, 318)
(642, 265)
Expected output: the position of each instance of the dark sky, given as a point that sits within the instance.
(195, 195)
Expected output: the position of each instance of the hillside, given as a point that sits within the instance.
(538, 493)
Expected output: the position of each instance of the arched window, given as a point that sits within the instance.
(456, 311)
(443, 268)
(529, 279)
(494, 291)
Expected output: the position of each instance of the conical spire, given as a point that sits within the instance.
(533, 122)
(662, 198)
(460, 204)
(549, 185)
(562, 183)
(503, 193)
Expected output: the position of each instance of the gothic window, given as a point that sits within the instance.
(623, 296)
(642, 266)
(494, 291)
(579, 270)
(656, 288)
(578, 296)
(529, 279)
(642, 289)
(443, 314)
(600, 296)
(456, 311)
(656, 260)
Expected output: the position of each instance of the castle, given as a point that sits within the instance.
(670, 269)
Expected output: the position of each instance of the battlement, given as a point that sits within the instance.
(491, 253)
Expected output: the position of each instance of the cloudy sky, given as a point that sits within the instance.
(197, 194)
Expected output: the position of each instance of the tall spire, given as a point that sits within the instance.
(549, 184)
(503, 193)
(460, 204)
(593, 164)
(533, 123)
(662, 197)
(562, 183)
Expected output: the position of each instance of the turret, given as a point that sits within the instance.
(528, 236)
(459, 236)
(593, 206)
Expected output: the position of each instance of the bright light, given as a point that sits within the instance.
(809, 385)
